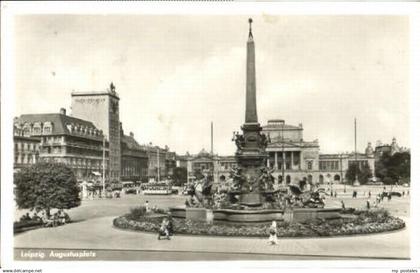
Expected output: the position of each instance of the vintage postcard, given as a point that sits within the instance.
(244, 135)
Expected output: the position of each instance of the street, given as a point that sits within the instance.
(93, 229)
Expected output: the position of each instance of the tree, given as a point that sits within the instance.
(394, 168)
(363, 173)
(180, 176)
(46, 186)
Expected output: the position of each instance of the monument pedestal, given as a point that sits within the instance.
(196, 214)
(250, 199)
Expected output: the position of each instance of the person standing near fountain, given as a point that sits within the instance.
(273, 233)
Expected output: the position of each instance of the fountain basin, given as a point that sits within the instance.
(248, 216)
(304, 214)
(255, 216)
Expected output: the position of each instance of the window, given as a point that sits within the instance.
(37, 128)
(26, 132)
(309, 165)
(47, 128)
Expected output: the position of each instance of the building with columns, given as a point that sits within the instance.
(289, 155)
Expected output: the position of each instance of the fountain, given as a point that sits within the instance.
(251, 196)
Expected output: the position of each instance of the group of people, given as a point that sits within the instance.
(57, 219)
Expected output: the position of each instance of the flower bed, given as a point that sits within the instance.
(362, 222)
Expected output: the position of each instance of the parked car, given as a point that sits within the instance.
(131, 191)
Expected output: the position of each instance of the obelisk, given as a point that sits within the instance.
(251, 100)
(251, 154)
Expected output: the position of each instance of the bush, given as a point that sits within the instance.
(388, 181)
(137, 213)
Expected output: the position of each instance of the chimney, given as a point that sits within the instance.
(131, 134)
(63, 111)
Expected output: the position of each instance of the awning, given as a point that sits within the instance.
(96, 173)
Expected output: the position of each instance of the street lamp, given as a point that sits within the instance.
(103, 167)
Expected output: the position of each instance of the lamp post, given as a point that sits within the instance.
(282, 155)
(103, 166)
(158, 164)
(356, 181)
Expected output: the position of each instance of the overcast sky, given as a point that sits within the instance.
(176, 74)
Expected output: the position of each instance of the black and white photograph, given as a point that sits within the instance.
(226, 136)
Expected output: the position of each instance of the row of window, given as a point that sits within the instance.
(38, 128)
(53, 139)
(26, 146)
(329, 165)
(75, 128)
(26, 158)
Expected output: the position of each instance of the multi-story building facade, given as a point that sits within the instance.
(333, 167)
(64, 139)
(170, 162)
(102, 108)
(26, 147)
(134, 160)
(207, 163)
(161, 162)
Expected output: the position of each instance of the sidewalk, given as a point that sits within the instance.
(100, 234)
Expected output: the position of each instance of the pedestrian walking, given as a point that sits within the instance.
(367, 204)
(403, 194)
(369, 194)
(389, 196)
(170, 224)
(146, 205)
(163, 230)
(273, 233)
(343, 206)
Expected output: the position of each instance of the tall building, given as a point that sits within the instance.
(60, 138)
(102, 108)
